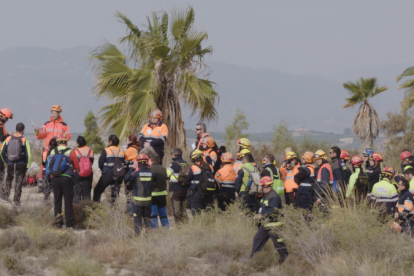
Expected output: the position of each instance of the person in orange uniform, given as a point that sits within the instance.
(207, 145)
(226, 178)
(83, 184)
(288, 170)
(5, 115)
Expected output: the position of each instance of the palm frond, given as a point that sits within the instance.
(409, 72)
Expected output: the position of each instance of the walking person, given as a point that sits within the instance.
(16, 153)
(159, 194)
(5, 115)
(84, 176)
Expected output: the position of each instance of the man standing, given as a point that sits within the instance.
(288, 170)
(201, 132)
(305, 178)
(324, 177)
(384, 194)
(5, 115)
(242, 182)
(358, 180)
(16, 154)
(155, 134)
(226, 178)
(159, 194)
(339, 168)
(269, 169)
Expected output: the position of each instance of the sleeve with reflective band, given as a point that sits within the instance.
(328, 167)
(352, 181)
(289, 181)
(405, 203)
(226, 177)
(384, 191)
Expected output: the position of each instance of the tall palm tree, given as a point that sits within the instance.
(160, 67)
(408, 85)
(366, 122)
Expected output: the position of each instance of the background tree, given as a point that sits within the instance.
(235, 129)
(408, 86)
(366, 123)
(283, 138)
(161, 67)
(93, 140)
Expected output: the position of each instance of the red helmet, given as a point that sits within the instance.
(61, 138)
(377, 157)
(345, 155)
(142, 157)
(7, 113)
(156, 114)
(357, 160)
(389, 171)
(227, 157)
(405, 154)
(266, 181)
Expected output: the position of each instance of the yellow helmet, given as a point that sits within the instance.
(196, 153)
(243, 152)
(243, 143)
(320, 154)
(290, 155)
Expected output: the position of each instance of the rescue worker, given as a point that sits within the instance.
(384, 194)
(5, 115)
(288, 170)
(250, 202)
(178, 193)
(407, 161)
(197, 200)
(159, 194)
(47, 181)
(270, 169)
(131, 153)
(358, 180)
(83, 185)
(339, 168)
(345, 156)
(409, 175)
(200, 132)
(324, 177)
(62, 185)
(142, 179)
(366, 154)
(17, 164)
(404, 208)
(226, 179)
(305, 178)
(374, 175)
(268, 223)
(243, 143)
(207, 145)
(238, 163)
(154, 134)
(106, 165)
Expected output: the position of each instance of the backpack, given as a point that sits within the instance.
(58, 164)
(118, 169)
(277, 182)
(47, 166)
(361, 185)
(254, 188)
(219, 151)
(182, 173)
(207, 184)
(14, 149)
(85, 166)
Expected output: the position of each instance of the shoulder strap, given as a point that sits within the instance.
(271, 172)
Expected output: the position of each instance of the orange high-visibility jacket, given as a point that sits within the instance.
(288, 178)
(226, 177)
(52, 129)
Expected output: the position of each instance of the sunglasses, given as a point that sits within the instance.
(198, 129)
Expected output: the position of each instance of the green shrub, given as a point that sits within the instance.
(14, 265)
(7, 216)
(55, 239)
(80, 266)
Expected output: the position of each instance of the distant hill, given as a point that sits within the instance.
(32, 79)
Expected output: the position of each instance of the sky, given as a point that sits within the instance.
(298, 37)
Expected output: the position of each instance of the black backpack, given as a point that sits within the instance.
(182, 173)
(219, 151)
(361, 185)
(14, 149)
(118, 169)
(207, 184)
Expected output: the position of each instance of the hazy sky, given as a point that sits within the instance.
(299, 37)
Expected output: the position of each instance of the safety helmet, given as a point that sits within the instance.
(56, 108)
(368, 151)
(156, 114)
(357, 160)
(196, 153)
(320, 154)
(61, 138)
(243, 152)
(308, 157)
(143, 158)
(377, 157)
(243, 143)
(345, 155)
(266, 181)
(227, 157)
(209, 141)
(6, 113)
(289, 155)
(264, 160)
(405, 154)
(389, 171)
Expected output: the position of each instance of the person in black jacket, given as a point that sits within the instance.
(305, 178)
(159, 194)
(339, 168)
(374, 174)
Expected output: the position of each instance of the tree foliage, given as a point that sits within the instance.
(408, 86)
(161, 67)
(283, 138)
(366, 123)
(235, 129)
(93, 140)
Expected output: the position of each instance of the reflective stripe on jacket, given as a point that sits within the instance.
(237, 165)
(143, 179)
(26, 155)
(385, 193)
(328, 167)
(226, 177)
(108, 156)
(269, 207)
(288, 178)
(51, 129)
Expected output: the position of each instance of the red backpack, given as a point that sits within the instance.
(85, 166)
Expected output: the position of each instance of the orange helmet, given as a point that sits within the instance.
(389, 171)
(266, 181)
(377, 157)
(142, 158)
(6, 113)
(209, 141)
(227, 157)
(56, 108)
(156, 114)
(345, 155)
(61, 138)
(357, 160)
(308, 157)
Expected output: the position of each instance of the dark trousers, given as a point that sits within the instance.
(47, 186)
(201, 202)
(20, 172)
(304, 201)
(128, 194)
(106, 180)
(178, 205)
(261, 238)
(2, 173)
(159, 209)
(225, 198)
(82, 188)
(63, 188)
(290, 198)
(250, 202)
(142, 213)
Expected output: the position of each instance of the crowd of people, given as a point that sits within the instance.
(213, 175)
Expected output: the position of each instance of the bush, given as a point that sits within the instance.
(14, 265)
(7, 216)
(81, 211)
(80, 266)
(55, 239)
(16, 238)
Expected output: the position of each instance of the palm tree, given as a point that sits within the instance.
(366, 122)
(408, 85)
(161, 67)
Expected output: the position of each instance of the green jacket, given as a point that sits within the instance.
(246, 175)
